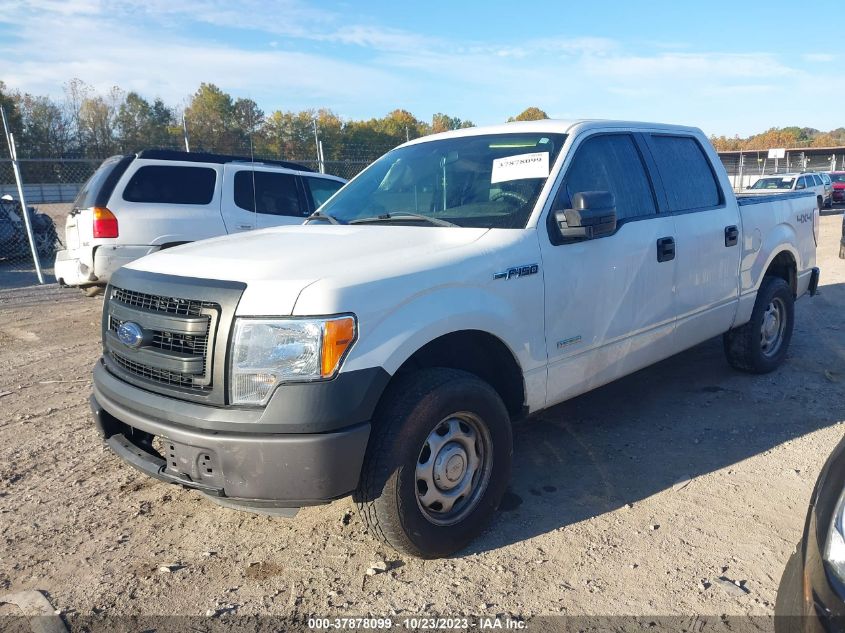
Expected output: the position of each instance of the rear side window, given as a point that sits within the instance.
(99, 187)
(818, 180)
(171, 184)
(321, 189)
(609, 162)
(274, 193)
(687, 178)
(802, 183)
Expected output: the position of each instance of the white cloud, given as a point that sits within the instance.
(294, 55)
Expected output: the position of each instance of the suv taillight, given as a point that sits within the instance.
(105, 224)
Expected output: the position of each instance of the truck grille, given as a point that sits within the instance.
(170, 305)
(176, 349)
(163, 376)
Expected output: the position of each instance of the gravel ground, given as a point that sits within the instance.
(632, 499)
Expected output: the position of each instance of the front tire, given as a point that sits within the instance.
(760, 345)
(438, 462)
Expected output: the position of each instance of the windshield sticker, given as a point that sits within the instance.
(520, 167)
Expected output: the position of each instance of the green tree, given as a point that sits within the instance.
(530, 114)
(45, 127)
(211, 121)
(8, 102)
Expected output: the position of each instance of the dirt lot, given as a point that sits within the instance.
(595, 523)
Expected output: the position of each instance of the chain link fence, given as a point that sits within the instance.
(745, 167)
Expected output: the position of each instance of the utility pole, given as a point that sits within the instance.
(185, 133)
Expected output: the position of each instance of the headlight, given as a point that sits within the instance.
(834, 547)
(268, 352)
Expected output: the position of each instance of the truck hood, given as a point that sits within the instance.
(284, 260)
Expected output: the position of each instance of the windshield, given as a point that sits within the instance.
(774, 183)
(489, 181)
(838, 177)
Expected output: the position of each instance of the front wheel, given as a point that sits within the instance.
(437, 464)
(760, 345)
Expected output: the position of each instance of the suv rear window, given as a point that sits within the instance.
(686, 174)
(274, 193)
(99, 187)
(171, 184)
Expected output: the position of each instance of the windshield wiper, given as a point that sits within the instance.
(402, 217)
(317, 216)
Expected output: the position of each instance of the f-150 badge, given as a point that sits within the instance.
(517, 271)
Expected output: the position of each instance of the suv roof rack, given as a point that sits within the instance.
(206, 157)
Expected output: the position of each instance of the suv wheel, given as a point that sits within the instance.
(760, 345)
(437, 464)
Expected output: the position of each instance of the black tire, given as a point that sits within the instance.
(92, 291)
(745, 347)
(413, 409)
(789, 600)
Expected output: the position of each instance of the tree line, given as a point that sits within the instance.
(86, 124)
(786, 137)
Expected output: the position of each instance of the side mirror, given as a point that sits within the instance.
(593, 215)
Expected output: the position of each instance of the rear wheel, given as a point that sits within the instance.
(438, 462)
(760, 345)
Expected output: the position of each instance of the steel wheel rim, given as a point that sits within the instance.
(453, 468)
(772, 327)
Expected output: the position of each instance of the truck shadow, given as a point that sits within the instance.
(684, 417)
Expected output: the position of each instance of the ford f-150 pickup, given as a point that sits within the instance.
(463, 280)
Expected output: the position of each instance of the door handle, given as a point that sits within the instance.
(731, 235)
(665, 249)
(245, 227)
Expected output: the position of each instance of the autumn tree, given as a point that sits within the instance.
(443, 123)
(529, 114)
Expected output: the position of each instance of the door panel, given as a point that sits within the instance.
(707, 279)
(609, 306)
(707, 274)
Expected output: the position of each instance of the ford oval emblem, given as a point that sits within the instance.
(130, 334)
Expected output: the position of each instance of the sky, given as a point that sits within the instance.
(727, 67)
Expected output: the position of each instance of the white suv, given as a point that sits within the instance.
(781, 183)
(137, 204)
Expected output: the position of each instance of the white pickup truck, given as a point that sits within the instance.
(461, 281)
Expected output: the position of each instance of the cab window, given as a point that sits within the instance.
(609, 162)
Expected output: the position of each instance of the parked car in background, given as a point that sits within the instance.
(782, 183)
(811, 594)
(14, 243)
(137, 204)
(838, 180)
(462, 281)
(828, 189)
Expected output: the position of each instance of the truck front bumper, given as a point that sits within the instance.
(256, 471)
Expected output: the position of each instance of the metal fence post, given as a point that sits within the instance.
(10, 140)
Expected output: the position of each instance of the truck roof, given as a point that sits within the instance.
(554, 126)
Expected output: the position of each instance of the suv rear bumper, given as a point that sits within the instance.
(82, 267)
(255, 470)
